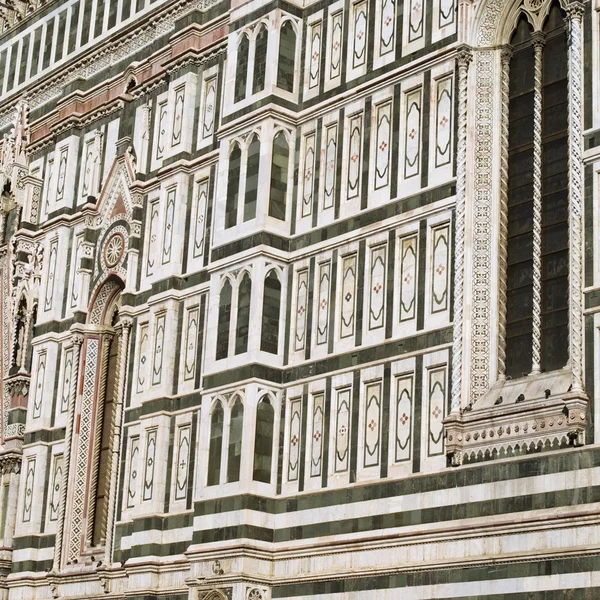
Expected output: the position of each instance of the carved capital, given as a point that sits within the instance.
(464, 56)
(125, 323)
(76, 338)
(18, 386)
(575, 11)
(506, 53)
(538, 40)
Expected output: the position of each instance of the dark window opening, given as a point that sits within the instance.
(233, 187)
(252, 166)
(287, 55)
(224, 321)
(243, 315)
(105, 420)
(263, 441)
(279, 177)
(215, 445)
(234, 453)
(520, 205)
(241, 73)
(269, 338)
(555, 195)
(260, 60)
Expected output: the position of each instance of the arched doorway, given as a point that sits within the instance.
(98, 416)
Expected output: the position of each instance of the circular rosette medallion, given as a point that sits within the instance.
(113, 250)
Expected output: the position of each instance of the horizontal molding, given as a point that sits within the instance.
(352, 359)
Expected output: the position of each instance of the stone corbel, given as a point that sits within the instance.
(18, 389)
(10, 463)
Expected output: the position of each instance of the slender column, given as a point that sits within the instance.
(97, 437)
(536, 336)
(505, 56)
(463, 59)
(574, 25)
(126, 323)
(77, 339)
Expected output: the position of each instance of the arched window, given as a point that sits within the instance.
(269, 336)
(252, 166)
(537, 252)
(216, 445)
(243, 315)
(233, 186)
(224, 321)
(260, 60)
(234, 453)
(241, 72)
(263, 441)
(279, 176)
(287, 54)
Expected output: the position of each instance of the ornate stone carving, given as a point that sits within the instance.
(10, 463)
(518, 417)
(575, 59)
(463, 58)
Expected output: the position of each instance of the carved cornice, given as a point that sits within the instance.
(119, 46)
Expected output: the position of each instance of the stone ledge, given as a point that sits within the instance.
(507, 421)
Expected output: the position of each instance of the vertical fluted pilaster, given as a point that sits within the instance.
(463, 58)
(505, 56)
(536, 313)
(574, 25)
(77, 340)
(126, 323)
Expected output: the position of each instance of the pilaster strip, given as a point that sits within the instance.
(77, 340)
(574, 23)
(463, 58)
(126, 323)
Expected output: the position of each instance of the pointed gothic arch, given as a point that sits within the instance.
(104, 308)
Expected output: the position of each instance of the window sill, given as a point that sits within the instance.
(515, 417)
